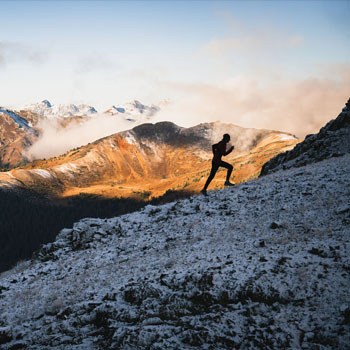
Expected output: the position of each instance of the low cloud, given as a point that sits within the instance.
(56, 140)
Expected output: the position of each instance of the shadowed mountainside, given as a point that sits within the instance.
(29, 219)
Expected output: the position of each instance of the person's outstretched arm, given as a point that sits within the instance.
(214, 148)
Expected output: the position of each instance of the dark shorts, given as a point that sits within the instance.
(216, 165)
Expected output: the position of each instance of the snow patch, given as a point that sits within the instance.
(129, 138)
(66, 167)
(41, 172)
(286, 137)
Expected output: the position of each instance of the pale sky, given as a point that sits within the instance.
(254, 63)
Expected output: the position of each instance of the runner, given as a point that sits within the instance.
(219, 150)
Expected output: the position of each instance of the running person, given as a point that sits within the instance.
(219, 150)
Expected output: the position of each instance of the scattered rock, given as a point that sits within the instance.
(318, 252)
(275, 225)
(343, 209)
(5, 335)
(345, 310)
(18, 345)
(282, 260)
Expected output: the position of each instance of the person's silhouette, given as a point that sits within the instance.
(219, 150)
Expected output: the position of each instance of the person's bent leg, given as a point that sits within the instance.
(214, 169)
(229, 168)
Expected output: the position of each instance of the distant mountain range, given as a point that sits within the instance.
(46, 109)
(21, 129)
(131, 111)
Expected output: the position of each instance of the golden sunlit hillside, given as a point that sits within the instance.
(149, 160)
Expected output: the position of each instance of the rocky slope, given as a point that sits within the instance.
(264, 265)
(150, 157)
(16, 134)
(333, 140)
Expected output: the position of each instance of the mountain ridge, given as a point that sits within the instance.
(162, 154)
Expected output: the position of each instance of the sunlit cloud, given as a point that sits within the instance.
(297, 106)
(251, 44)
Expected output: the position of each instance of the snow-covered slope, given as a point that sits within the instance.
(21, 122)
(16, 134)
(264, 265)
(46, 109)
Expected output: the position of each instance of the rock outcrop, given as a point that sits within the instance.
(333, 140)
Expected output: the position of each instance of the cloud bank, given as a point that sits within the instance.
(299, 107)
(56, 140)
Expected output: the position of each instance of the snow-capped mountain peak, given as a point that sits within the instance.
(114, 110)
(46, 103)
(46, 109)
(134, 111)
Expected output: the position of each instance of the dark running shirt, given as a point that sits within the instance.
(219, 150)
